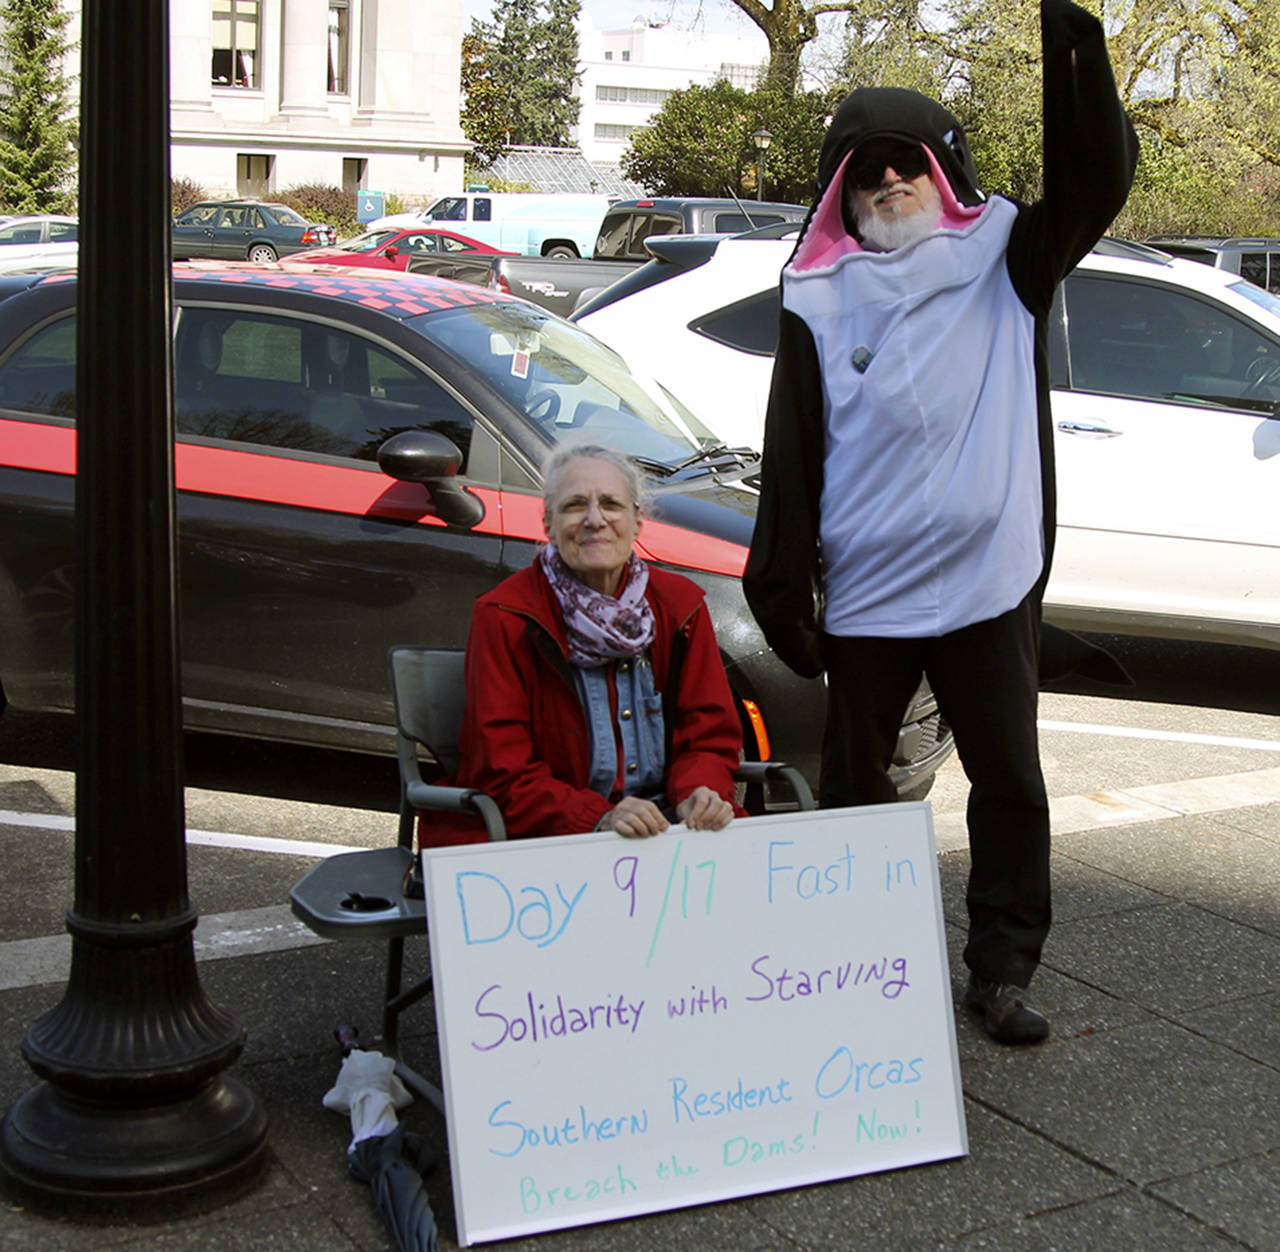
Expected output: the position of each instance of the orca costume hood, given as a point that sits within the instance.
(886, 113)
(897, 113)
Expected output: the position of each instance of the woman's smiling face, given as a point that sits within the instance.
(593, 521)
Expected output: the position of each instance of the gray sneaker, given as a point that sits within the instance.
(1007, 1011)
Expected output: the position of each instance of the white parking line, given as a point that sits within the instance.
(199, 838)
(1165, 736)
(1069, 815)
(246, 932)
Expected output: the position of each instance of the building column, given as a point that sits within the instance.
(304, 59)
(190, 60)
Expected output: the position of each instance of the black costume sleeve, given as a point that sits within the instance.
(1090, 153)
(783, 578)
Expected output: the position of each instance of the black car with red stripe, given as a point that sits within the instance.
(356, 461)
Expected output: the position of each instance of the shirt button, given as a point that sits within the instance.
(631, 769)
(625, 666)
(625, 715)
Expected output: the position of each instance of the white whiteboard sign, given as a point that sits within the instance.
(635, 1025)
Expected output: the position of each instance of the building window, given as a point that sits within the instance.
(611, 130)
(355, 172)
(339, 14)
(255, 174)
(608, 56)
(626, 54)
(235, 43)
(632, 95)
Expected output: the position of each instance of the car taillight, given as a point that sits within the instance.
(499, 282)
(310, 236)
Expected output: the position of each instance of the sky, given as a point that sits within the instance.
(713, 16)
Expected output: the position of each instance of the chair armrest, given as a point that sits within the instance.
(773, 772)
(420, 795)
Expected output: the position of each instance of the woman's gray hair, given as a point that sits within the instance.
(564, 454)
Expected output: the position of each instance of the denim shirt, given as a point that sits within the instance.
(640, 727)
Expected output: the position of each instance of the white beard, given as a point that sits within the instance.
(880, 235)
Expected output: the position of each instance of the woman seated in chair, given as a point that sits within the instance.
(596, 697)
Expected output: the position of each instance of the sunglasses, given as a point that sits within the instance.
(866, 170)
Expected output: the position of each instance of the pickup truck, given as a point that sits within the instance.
(562, 285)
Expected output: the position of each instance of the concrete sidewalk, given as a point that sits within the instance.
(1149, 1119)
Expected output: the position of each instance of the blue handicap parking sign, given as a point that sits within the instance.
(369, 205)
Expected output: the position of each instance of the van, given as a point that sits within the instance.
(530, 223)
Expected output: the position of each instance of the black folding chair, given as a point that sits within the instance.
(373, 894)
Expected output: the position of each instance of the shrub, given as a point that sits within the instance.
(183, 193)
(318, 202)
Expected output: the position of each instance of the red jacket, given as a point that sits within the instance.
(525, 738)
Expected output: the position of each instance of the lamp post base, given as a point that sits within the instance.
(58, 1150)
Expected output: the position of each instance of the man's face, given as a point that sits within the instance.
(890, 194)
(889, 180)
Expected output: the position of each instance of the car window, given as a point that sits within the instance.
(1253, 266)
(40, 377)
(735, 222)
(20, 232)
(1138, 339)
(254, 220)
(750, 325)
(283, 213)
(481, 210)
(63, 232)
(418, 245)
(291, 384)
(452, 245)
(232, 219)
(200, 215)
(450, 209)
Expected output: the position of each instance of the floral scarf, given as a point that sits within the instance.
(601, 628)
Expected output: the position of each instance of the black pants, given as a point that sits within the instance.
(985, 678)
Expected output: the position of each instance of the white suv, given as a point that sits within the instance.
(1166, 401)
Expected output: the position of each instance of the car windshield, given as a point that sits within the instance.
(567, 384)
(283, 213)
(370, 242)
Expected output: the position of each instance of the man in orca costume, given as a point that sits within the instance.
(906, 515)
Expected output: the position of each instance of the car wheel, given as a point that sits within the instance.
(564, 251)
(262, 253)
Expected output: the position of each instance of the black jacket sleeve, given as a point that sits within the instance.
(1090, 154)
(783, 578)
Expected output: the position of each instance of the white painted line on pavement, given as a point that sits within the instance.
(1069, 815)
(199, 838)
(1165, 736)
(246, 932)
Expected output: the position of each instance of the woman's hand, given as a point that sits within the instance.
(634, 818)
(702, 809)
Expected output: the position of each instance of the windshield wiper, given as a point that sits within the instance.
(718, 451)
(656, 466)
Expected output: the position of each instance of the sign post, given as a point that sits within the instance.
(628, 1026)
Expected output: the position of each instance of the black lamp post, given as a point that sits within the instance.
(134, 1107)
(762, 139)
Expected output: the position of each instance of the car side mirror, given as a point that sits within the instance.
(391, 252)
(427, 457)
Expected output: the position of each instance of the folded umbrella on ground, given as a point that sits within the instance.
(382, 1153)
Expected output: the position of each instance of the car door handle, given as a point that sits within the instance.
(1090, 430)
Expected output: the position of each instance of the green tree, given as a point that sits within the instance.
(699, 143)
(524, 71)
(38, 137)
(484, 115)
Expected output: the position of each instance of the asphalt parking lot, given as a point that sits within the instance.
(1147, 1119)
